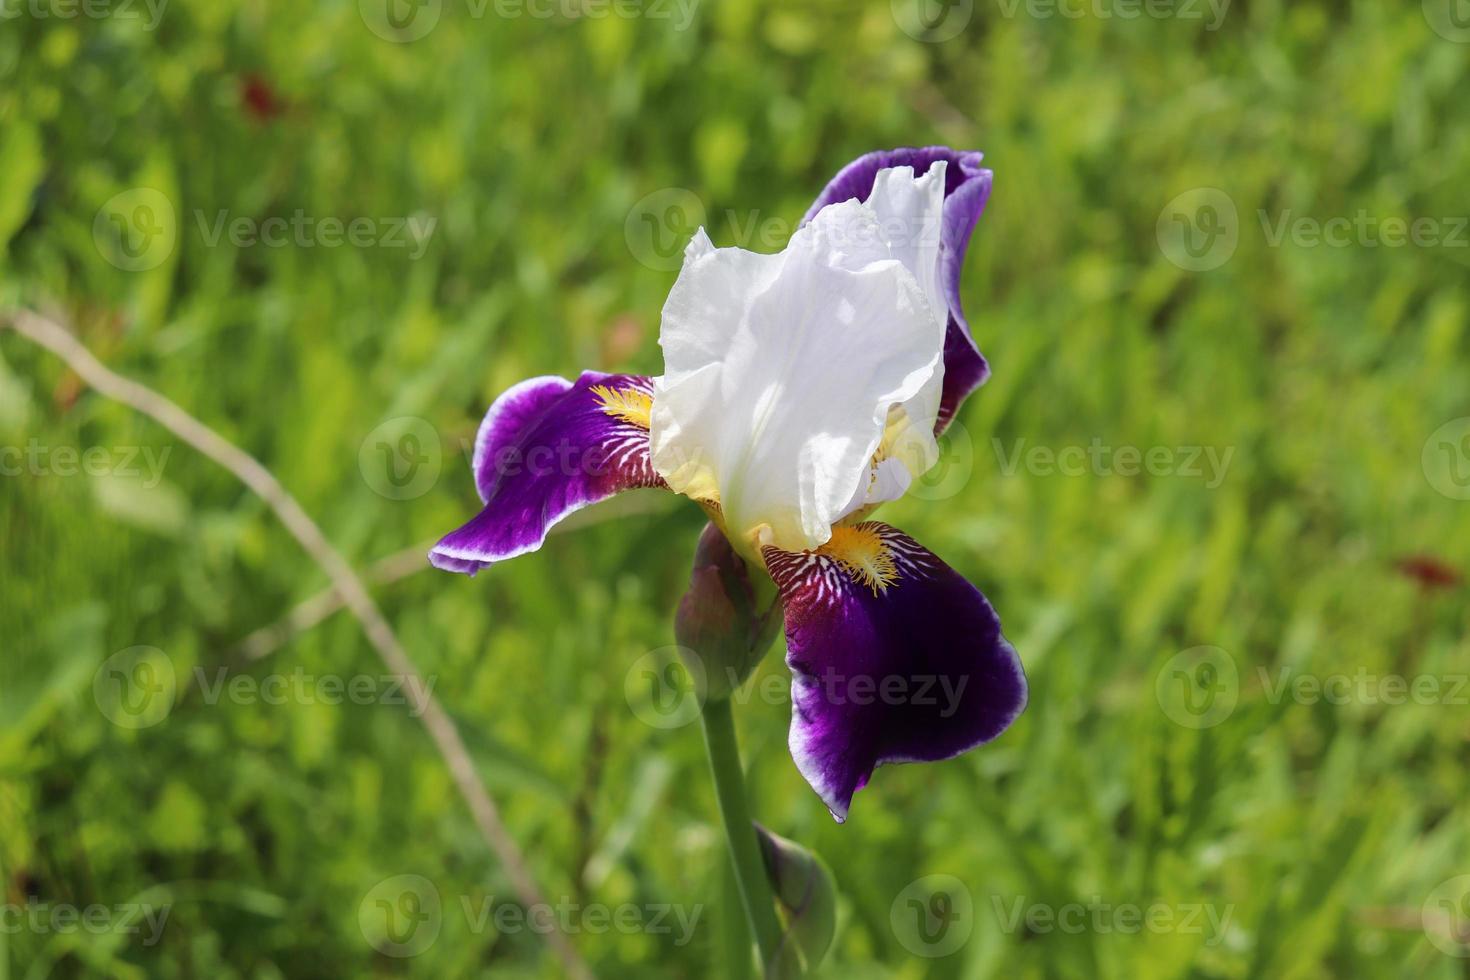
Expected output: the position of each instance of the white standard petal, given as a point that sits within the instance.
(911, 213)
(781, 370)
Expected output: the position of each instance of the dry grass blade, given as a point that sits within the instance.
(345, 583)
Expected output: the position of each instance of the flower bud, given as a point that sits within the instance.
(806, 895)
(719, 621)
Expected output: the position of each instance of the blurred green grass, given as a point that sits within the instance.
(1322, 828)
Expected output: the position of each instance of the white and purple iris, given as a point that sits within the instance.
(800, 391)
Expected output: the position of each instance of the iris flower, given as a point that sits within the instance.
(800, 391)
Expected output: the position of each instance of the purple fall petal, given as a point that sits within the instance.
(966, 189)
(549, 447)
(894, 658)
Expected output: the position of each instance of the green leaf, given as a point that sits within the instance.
(22, 164)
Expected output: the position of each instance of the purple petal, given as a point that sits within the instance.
(966, 189)
(549, 447)
(894, 658)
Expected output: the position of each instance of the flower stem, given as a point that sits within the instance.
(750, 871)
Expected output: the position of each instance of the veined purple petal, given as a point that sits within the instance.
(894, 658)
(507, 419)
(966, 189)
(549, 447)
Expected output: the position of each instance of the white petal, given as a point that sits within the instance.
(780, 371)
(912, 215)
(886, 480)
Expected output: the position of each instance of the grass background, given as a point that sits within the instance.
(1322, 828)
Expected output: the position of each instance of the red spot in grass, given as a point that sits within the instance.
(622, 339)
(68, 389)
(260, 101)
(1429, 572)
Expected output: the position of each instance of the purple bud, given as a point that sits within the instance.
(718, 620)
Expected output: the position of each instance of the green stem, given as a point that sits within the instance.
(750, 870)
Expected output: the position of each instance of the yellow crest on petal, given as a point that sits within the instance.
(863, 553)
(632, 405)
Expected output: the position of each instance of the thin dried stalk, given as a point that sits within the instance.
(312, 612)
(345, 583)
